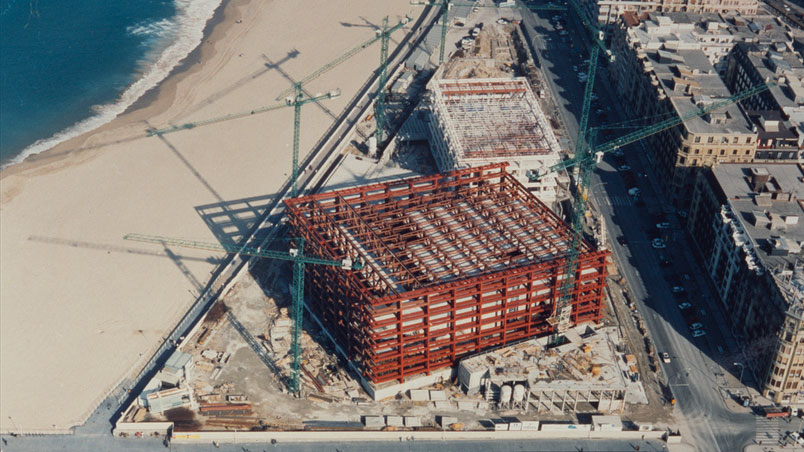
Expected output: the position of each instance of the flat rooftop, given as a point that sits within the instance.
(709, 88)
(419, 232)
(493, 118)
(735, 181)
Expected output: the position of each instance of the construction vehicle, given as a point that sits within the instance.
(294, 255)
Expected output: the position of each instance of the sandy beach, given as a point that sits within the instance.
(81, 308)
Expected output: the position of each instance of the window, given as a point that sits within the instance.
(734, 152)
(748, 140)
(722, 152)
(681, 160)
(697, 151)
(735, 140)
(747, 151)
(697, 139)
(709, 151)
(710, 139)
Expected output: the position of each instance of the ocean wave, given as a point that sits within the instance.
(187, 33)
(160, 28)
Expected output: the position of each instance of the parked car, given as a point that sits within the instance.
(665, 357)
(662, 225)
(684, 305)
(677, 289)
(796, 438)
(658, 244)
(698, 333)
(696, 326)
(624, 168)
(634, 191)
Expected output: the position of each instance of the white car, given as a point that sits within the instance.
(658, 244)
(665, 357)
(684, 305)
(677, 289)
(624, 168)
(663, 225)
(698, 333)
(634, 192)
(696, 326)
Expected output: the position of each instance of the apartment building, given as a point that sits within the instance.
(608, 11)
(747, 223)
(753, 63)
(661, 71)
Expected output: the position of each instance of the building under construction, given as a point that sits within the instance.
(455, 263)
(481, 121)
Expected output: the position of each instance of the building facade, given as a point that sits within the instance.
(661, 71)
(608, 11)
(750, 64)
(747, 223)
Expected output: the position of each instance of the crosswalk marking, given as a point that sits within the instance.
(767, 430)
(619, 201)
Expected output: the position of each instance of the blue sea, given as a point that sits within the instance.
(70, 66)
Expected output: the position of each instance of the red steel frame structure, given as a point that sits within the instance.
(455, 263)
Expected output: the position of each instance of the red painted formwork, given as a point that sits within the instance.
(454, 264)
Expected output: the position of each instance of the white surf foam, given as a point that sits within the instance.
(187, 29)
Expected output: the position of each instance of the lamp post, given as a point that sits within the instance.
(742, 369)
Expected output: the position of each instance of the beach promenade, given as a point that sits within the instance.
(83, 309)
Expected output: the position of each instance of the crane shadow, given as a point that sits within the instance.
(287, 77)
(368, 24)
(108, 248)
(232, 221)
(243, 81)
(190, 167)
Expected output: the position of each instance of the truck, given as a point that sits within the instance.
(775, 411)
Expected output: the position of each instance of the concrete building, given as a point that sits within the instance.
(481, 121)
(454, 264)
(747, 221)
(754, 63)
(585, 373)
(662, 71)
(607, 12)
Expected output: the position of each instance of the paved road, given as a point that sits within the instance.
(109, 444)
(694, 373)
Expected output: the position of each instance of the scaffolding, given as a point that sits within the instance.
(454, 264)
(491, 118)
(481, 121)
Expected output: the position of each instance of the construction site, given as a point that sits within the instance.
(481, 121)
(441, 290)
(454, 264)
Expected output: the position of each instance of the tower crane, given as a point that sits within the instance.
(560, 319)
(294, 255)
(297, 101)
(384, 34)
(585, 160)
(652, 129)
(445, 6)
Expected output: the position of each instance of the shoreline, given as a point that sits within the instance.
(154, 101)
(83, 304)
